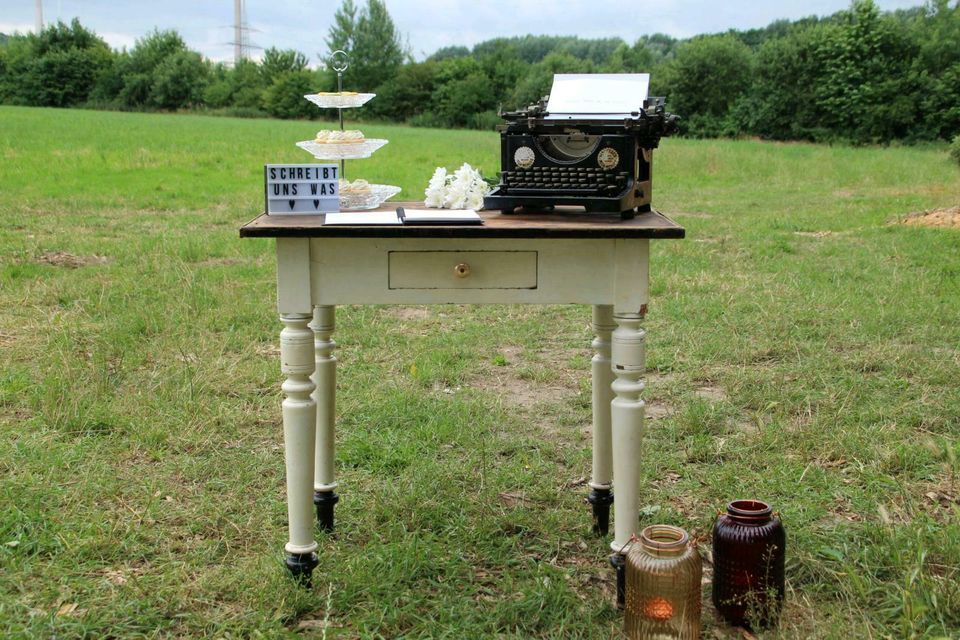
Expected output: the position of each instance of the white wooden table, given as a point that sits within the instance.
(537, 259)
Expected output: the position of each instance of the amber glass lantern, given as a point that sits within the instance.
(749, 546)
(663, 586)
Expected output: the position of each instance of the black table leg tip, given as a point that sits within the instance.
(301, 566)
(325, 501)
(619, 562)
(600, 500)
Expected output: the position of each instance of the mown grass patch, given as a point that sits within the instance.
(801, 349)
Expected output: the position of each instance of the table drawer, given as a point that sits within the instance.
(463, 269)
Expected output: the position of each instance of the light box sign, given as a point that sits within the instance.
(301, 189)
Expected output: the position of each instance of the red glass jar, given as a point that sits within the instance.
(749, 552)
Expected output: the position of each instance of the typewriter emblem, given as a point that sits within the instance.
(524, 157)
(608, 159)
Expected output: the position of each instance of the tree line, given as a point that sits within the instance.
(859, 75)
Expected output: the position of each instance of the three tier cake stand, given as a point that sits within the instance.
(352, 198)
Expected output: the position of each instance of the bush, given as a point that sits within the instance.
(458, 101)
(955, 149)
(486, 120)
(405, 95)
(166, 52)
(58, 68)
(427, 119)
(706, 77)
(179, 81)
(284, 97)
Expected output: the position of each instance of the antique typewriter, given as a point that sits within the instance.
(589, 144)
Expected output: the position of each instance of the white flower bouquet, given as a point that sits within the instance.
(464, 189)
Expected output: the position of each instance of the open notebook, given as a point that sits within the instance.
(404, 215)
(438, 216)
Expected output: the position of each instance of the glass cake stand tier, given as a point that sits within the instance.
(367, 199)
(345, 151)
(339, 101)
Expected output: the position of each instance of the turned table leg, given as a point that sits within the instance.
(325, 378)
(299, 425)
(626, 417)
(601, 481)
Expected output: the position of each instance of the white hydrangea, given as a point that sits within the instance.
(462, 190)
(436, 190)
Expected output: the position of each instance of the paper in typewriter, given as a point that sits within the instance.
(596, 95)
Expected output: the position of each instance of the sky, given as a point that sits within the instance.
(427, 25)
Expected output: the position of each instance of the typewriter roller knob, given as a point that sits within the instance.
(462, 270)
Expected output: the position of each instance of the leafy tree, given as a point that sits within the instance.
(453, 51)
(594, 50)
(529, 48)
(63, 37)
(625, 59)
(865, 88)
(344, 27)
(242, 86)
(659, 45)
(377, 47)
(179, 81)
(371, 42)
(458, 100)
(110, 82)
(219, 90)
(858, 75)
(59, 67)
(280, 61)
(284, 97)
(160, 72)
(780, 103)
(407, 94)
(703, 81)
(136, 89)
(504, 69)
(937, 67)
(62, 78)
(247, 85)
(137, 69)
(16, 56)
(537, 81)
(533, 49)
(149, 51)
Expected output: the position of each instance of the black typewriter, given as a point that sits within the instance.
(581, 148)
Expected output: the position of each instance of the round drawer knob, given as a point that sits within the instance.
(462, 270)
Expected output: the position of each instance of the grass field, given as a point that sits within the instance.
(803, 348)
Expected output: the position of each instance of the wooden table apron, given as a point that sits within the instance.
(539, 259)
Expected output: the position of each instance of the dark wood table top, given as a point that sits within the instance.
(573, 223)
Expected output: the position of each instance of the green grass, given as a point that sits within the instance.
(802, 349)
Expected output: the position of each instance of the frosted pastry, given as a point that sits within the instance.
(327, 136)
(357, 186)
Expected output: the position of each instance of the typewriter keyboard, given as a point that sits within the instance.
(573, 180)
